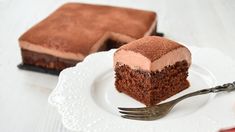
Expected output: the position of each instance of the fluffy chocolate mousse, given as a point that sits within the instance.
(151, 69)
(76, 30)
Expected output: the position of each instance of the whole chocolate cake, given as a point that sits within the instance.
(76, 30)
(151, 69)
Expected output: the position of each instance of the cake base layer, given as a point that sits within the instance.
(151, 88)
(45, 61)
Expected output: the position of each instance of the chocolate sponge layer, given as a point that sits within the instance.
(151, 88)
(45, 61)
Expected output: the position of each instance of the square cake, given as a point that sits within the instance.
(76, 30)
(151, 69)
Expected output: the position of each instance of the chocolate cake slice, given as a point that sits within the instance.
(151, 69)
(76, 30)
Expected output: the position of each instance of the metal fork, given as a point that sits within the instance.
(160, 110)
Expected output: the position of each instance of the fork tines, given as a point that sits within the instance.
(143, 113)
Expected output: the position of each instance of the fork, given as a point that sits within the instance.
(161, 110)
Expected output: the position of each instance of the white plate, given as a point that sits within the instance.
(87, 99)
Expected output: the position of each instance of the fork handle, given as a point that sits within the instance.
(228, 87)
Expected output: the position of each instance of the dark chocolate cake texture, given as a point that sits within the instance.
(151, 69)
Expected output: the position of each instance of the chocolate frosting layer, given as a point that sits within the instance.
(80, 29)
(151, 53)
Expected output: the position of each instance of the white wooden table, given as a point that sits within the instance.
(23, 94)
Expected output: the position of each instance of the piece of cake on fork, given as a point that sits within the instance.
(152, 69)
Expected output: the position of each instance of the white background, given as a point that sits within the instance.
(23, 94)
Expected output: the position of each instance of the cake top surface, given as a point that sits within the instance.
(82, 28)
(152, 47)
(151, 53)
